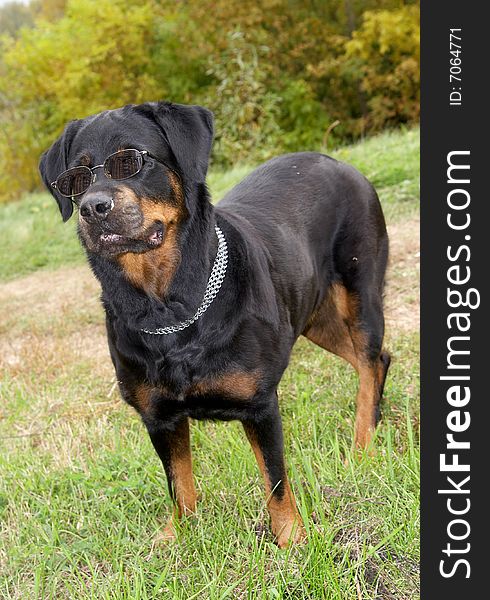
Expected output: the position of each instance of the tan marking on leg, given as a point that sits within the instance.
(345, 302)
(181, 465)
(142, 397)
(328, 327)
(335, 327)
(234, 384)
(182, 480)
(286, 523)
(367, 401)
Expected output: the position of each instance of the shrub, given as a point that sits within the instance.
(385, 51)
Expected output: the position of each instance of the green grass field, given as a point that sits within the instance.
(82, 492)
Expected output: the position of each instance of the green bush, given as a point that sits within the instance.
(386, 52)
(245, 110)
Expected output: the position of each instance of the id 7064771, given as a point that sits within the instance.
(455, 71)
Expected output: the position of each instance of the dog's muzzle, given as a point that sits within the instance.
(95, 207)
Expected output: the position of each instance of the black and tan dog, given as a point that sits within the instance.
(204, 303)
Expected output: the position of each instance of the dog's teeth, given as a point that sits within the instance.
(110, 237)
(155, 237)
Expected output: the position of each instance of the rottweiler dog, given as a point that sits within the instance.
(204, 303)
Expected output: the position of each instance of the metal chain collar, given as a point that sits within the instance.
(215, 280)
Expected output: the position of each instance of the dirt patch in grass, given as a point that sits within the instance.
(44, 294)
(51, 319)
(402, 296)
(59, 312)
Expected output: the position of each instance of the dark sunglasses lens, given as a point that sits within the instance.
(74, 182)
(123, 164)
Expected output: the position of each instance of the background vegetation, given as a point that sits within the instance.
(280, 75)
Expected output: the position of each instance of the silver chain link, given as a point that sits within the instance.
(215, 280)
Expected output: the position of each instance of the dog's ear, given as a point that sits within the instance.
(189, 133)
(54, 161)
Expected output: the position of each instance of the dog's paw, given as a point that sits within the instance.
(291, 534)
(167, 534)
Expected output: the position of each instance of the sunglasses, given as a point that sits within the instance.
(118, 166)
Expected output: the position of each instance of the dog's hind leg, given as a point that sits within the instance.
(372, 375)
(351, 325)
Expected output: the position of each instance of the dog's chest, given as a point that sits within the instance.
(235, 383)
(215, 396)
(197, 370)
(171, 378)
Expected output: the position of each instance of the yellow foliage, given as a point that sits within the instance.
(95, 57)
(386, 49)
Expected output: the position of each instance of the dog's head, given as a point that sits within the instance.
(134, 196)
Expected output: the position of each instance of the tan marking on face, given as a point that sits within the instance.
(152, 271)
(124, 197)
(286, 523)
(176, 186)
(235, 384)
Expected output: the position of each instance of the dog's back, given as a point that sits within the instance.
(314, 215)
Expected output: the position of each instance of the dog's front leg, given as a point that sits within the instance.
(173, 448)
(265, 436)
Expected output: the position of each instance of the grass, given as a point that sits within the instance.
(32, 235)
(82, 492)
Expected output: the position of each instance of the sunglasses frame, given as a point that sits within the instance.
(93, 175)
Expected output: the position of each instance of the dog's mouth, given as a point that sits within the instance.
(152, 238)
(110, 243)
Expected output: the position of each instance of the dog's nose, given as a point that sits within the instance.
(95, 207)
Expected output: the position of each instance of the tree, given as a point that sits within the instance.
(386, 52)
(93, 58)
(13, 16)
